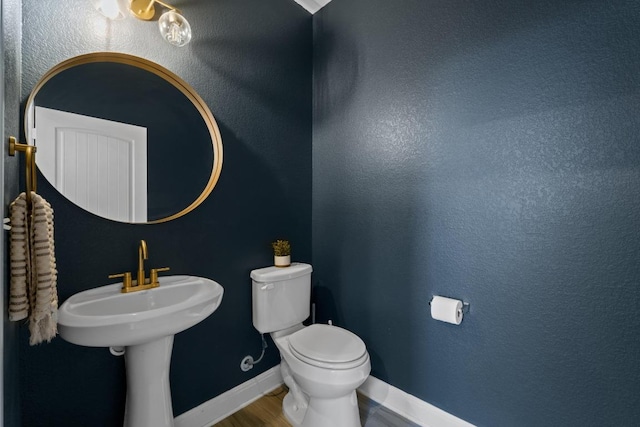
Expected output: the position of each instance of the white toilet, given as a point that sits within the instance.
(321, 364)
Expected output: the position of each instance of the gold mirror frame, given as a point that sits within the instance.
(168, 76)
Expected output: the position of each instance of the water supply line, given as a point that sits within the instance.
(248, 362)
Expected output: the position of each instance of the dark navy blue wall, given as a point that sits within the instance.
(488, 151)
(250, 60)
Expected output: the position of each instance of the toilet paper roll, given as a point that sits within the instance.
(446, 310)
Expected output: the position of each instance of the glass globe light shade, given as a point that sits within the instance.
(112, 9)
(174, 28)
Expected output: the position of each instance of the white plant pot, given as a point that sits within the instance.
(282, 261)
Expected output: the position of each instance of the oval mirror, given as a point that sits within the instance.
(123, 138)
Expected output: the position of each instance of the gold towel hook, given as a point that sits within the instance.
(30, 163)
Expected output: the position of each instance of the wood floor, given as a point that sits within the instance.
(264, 412)
(267, 412)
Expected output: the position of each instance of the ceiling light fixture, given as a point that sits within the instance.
(174, 28)
(112, 9)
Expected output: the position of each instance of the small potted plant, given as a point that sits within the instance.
(281, 253)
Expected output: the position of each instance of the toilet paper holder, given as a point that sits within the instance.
(465, 305)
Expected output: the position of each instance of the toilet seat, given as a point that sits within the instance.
(327, 346)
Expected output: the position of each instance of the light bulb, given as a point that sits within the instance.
(174, 28)
(112, 9)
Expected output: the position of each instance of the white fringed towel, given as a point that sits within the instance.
(20, 260)
(33, 268)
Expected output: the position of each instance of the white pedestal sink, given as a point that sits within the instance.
(144, 322)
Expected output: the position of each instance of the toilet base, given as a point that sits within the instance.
(338, 412)
(292, 413)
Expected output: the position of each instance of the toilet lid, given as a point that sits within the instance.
(326, 343)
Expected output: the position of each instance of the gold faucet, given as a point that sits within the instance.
(141, 282)
(142, 255)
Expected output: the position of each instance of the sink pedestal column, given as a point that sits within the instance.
(148, 391)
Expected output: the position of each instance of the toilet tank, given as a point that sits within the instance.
(281, 296)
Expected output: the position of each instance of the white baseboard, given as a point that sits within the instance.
(220, 407)
(408, 406)
(403, 404)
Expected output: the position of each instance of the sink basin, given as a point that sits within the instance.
(105, 317)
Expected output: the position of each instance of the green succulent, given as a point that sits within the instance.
(281, 248)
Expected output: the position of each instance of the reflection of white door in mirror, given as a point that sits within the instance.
(100, 165)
